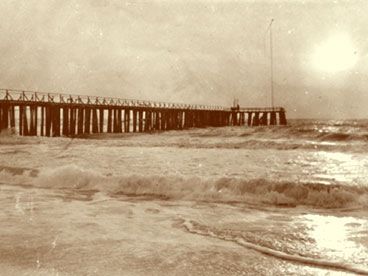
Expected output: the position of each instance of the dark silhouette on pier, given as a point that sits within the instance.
(50, 114)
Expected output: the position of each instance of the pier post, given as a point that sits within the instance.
(12, 118)
(115, 121)
(163, 120)
(256, 119)
(180, 119)
(42, 120)
(127, 120)
(20, 120)
(173, 120)
(80, 120)
(199, 119)
(273, 118)
(56, 121)
(87, 120)
(66, 121)
(1, 118)
(153, 120)
(169, 120)
(25, 121)
(148, 120)
(94, 121)
(52, 121)
(195, 118)
(264, 119)
(120, 122)
(47, 120)
(186, 119)
(72, 119)
(140, 126)
(282, 117)
(4, 117)
(101, 113)
(158, 118)
(233, 119)
(250, 118)
(134, 120)
(109, 120)
(35, 124)
(31, 120)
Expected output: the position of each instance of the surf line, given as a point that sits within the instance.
(191, 228)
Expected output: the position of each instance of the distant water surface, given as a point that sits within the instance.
(274, 200)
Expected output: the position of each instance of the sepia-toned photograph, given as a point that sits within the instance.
(183, 137)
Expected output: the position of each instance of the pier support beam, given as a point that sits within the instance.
(256, 119)
(73, 119)
(66, 121)
(94, 121)
(87, 120)
(282, 117)
(109, 120)
(56, 121)
(148, 121)
(250, 114)
(115, 121)
(120, 121)
(4, 116)
(48, 112)
(80, 120)
(134, 120)
(31, 120)
(273, 118)
(157, 120)
(101, 113)
(140, 125)
(163, 120)
(264, 119)
(12, 118)
(127, 120)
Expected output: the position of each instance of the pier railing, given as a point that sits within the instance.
(62, 98)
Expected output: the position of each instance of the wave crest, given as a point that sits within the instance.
(225, 189)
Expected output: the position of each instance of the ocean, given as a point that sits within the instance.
(276, 200)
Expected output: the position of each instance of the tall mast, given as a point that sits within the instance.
(271, 63)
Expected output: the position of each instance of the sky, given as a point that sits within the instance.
(197, 52)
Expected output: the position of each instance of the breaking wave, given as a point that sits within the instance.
(224, 189)
(228, 235)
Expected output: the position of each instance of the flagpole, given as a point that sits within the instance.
(271, 63)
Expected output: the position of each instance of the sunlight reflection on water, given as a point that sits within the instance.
(334, 237)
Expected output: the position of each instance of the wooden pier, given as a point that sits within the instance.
(31, 113)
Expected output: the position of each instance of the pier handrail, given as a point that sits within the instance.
(48, 97)
(257, 109)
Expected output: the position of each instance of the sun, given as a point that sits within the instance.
(335, 54)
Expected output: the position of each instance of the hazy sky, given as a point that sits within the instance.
(205, 52)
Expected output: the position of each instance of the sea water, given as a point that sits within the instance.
(277, 200)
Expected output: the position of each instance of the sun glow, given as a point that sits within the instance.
(335, 54)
